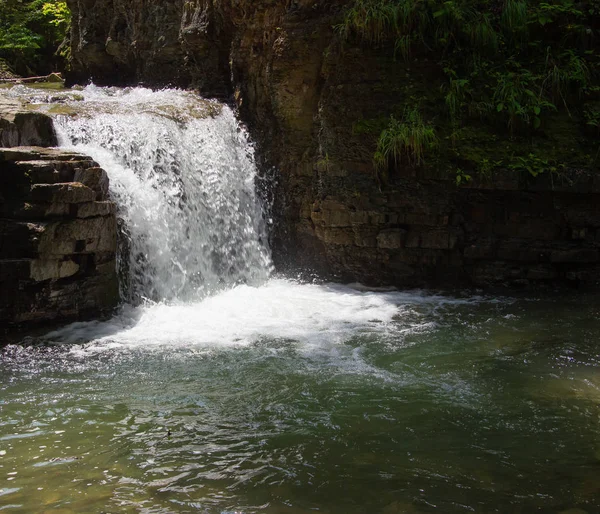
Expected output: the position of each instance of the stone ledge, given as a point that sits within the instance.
(58, 238)
(25, 128)
(72, 192)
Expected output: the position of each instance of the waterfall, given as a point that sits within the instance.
(182, 173)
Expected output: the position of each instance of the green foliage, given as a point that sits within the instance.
(372, 20)
(58, 14)
(513, 77)
(19, 39)
(512, 60)
(31, 32)
(532, 164)
(377, 22)
(456, 97)
(514, 19)
(546, 13)
(591, 115)
(515, 94)
(404, 140)
(482, 34)
(567, 75)
(462, 177)
(486, 167)
(402, 47)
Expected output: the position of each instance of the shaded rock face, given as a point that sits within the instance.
(58, 238)
(175, 42)
(19, 127)
(303, 93)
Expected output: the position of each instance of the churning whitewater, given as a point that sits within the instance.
(183, 176)
(219, 387)
(194, 259)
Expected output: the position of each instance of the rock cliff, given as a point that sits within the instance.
(315, 103)
(177, 43)
(58, 237)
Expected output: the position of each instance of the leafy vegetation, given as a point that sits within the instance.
(462, 177)
(404, 140)
(520, 71)
(33, 34)
(532, 164)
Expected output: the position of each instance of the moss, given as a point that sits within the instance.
(500, 85)
(62, 109)
(372, 126)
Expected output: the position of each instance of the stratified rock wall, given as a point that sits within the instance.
(304, 95)
(58, 237)
(176, 42)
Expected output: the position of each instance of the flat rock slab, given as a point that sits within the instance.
(10, 107)
(72, 192)
(21, 126)
(40, 153)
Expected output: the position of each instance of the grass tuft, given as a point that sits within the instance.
(404, 140)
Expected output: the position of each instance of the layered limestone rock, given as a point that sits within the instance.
(314, 103)
(21, 127)
(58, 238)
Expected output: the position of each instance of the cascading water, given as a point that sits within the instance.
(236, 392)
(194, 259)
(183, 175)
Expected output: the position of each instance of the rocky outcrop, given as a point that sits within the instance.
(58, 238)
(21, 127)
(315, 104)
(178, 43)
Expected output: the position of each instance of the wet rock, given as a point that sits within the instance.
(93, 209)
(163, 43)
(57, 240)
(79, 236)
(72, 192)
(95, 178)
(46, 270)
(304, 95)
(20, 127)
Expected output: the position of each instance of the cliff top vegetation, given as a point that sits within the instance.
(33, 35)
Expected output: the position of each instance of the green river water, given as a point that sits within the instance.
(283, 398)
(456, 404)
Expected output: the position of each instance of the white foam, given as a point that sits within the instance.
(182, 172)
(281, 309)
(183, 177)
